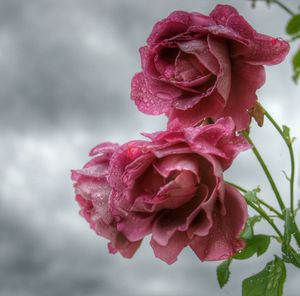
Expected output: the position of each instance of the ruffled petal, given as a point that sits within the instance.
(136, 225)
(181, 162)
(152, 96)
(257, 49)
(176, 23)
(106, 148)
(169, 221)
(223, 240)
(210, 106)
(264, 50)
(218, 139)
(147, 61)
(219, 49)
(122, 157)
(246, 79)
(169, 252)
(199, 48)
(121, 244)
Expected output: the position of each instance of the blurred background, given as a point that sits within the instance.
(65, 72)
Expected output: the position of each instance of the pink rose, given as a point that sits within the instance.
(196, 67)
(92, 193)
(171, 187)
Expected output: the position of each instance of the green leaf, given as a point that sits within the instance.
(251, 195)
(289, 228)
(296, 66)
(286, 176)
(293, 26)
(286, 132)
(268, 282)
(289, 254)
(248, 230)
(257, 244)
(253, 220)
(223, 273)
(296, 75)
(247, 252)
(262, 244)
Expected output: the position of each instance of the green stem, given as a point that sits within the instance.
(266, 171)
(297, 235)
(292, 157)
(260, 200)
(258, 210)
(284, 7)
(289, 144)
(271, 208)
(280, 4)
(267, 218)
(294, 38)
(237, 187)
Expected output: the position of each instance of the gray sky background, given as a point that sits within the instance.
(65, 72)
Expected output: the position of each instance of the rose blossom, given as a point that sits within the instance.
(92, 193)
(196, 66)
(171, 187)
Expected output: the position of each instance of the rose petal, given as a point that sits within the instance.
(147, 60)
(177, 163)
(264, 50)
(246, 79)
(219, 49)
(180, 148)
(217, 139)
(136, 226)
(121, 244)
(93, 170)
(210, 106)
(152, 96)
(200, 49)
(259, 49)
(190, 73)
(105, 148)
(164, 62)
(176, 23)
(151, 181)
(135, 169)
(170, 196)
(176, 193)
(170, 252)
(223, 239)
(169, 221)
(121, 158)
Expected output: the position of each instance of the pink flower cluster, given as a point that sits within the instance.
(203, 73)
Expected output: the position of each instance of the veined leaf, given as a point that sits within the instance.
(248, 231)
(223, 273)
(296, 66)
(286, 133)
(289, 254)
(257, 244)
(293, 26)
(251, 195)
(268, 282)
